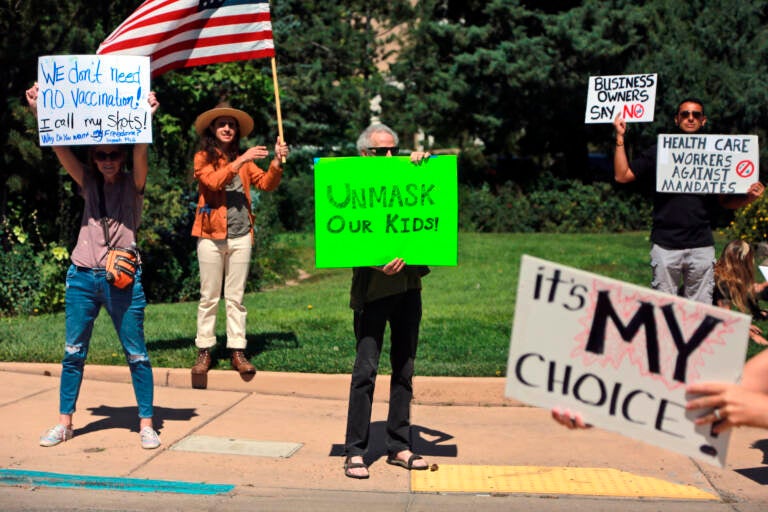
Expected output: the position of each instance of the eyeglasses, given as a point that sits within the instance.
(685, 114)
(112, 156)
(382, 151)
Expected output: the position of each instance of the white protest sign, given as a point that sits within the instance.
(631, 96)
(621, 354)
(706, 164)
(93, 99)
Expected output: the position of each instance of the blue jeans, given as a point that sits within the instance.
(88, 290)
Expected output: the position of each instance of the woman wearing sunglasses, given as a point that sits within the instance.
(224, 227)
(113, 198)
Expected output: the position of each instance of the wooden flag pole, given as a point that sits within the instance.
(277, 103)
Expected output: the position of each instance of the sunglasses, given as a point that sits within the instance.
(382, 151)
(685, 114)
(222, 124)
(112, 156)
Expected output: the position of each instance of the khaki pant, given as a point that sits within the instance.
(224, 261)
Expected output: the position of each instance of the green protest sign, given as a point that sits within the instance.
(369, 211)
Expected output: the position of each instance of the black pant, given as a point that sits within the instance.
(403, 311)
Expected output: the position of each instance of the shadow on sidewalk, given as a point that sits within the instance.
(128, 418)
(757, 475)
(424, 441)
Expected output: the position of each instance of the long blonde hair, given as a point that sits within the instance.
(735, 274)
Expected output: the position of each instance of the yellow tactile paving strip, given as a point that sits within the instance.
(550, 480)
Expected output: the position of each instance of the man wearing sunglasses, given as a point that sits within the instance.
(389, 293)
(683, 248)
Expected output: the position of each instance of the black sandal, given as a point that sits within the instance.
(354, 465)
(392, 459)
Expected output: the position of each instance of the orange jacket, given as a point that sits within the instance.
(211, 213)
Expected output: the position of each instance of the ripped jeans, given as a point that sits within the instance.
(87, 290)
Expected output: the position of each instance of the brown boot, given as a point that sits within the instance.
(203, 362)
(241, 363)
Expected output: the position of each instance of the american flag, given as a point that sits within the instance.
(187, 33)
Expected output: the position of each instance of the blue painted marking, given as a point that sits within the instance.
(45, 479)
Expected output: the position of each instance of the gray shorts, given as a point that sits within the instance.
(686, 272)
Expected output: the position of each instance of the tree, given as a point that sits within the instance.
(28, 30)
(715, 50)
(512, 74)
(328, 54)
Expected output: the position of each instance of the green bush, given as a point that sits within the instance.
(32, 280)
(506, 211)
(750, 223)
(270, 263)
(552, 205)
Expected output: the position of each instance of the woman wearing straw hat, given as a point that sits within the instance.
(224, 225)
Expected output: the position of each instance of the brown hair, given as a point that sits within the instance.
(210, 144)
(735, 274)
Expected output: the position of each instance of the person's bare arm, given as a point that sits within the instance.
(66, 157)
(140, 151)
(621, 171)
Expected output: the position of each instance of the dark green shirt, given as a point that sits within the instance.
(369, 284)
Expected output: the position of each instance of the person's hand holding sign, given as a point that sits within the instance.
(32, 93)
(568, 418)
(153, 103)
(418, 157)
(393, 267)
(732, 405)
(620, 125)
(755, 190)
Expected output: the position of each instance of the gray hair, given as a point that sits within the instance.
(364, 140)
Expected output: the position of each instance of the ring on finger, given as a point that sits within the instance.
(718, 417)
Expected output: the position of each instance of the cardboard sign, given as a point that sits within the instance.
(370, 210)
(707, 164)
(631, 96)
(621, 354)
(93, 99)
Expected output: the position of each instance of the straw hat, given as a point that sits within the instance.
(205, 119)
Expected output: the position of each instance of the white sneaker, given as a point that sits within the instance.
(149, 438)
(56, 435)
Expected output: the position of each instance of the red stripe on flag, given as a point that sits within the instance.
(149, 31)
(204, 23)
(147, 18)
(213, 59)
(207, 42)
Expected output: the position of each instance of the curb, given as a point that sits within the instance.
(457, 391)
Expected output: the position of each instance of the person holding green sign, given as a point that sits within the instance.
(224, 225)
(389, 293)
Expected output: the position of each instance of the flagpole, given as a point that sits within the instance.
(277, 103)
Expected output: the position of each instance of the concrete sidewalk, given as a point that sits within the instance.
(286, 432)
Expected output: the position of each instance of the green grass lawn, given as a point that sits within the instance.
(468, 311)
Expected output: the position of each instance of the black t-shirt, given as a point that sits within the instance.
(680, 221)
